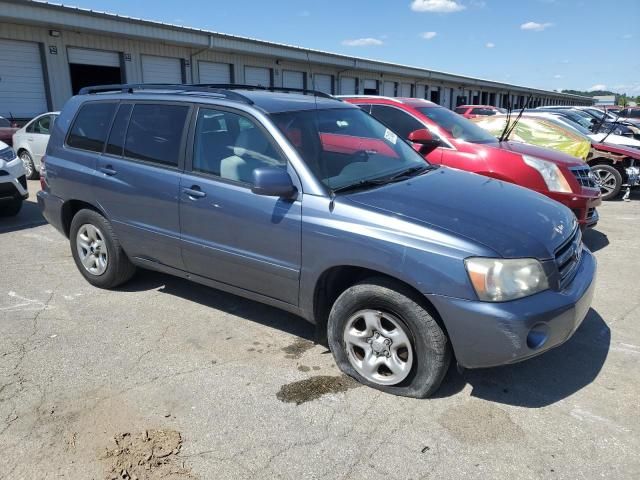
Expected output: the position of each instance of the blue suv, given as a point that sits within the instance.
(307, 203)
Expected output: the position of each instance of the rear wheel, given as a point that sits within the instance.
(97, 251)
(29, 166)
(608, 179)
(382, 335)
(10, 208)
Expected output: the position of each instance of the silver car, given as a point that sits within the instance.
(30, 142)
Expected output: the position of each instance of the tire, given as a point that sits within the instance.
(610, 180)
(427, 357)
(111, 266)
(10, 208)
(29, 166)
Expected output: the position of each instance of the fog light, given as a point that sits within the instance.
(538, 336)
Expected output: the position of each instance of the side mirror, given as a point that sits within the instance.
(424, 138)
(273, 182)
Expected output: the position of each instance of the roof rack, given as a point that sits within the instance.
(235, 86)
(179, 88)
(222, 89)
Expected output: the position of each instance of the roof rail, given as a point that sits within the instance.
(234, 86)
(179, 88)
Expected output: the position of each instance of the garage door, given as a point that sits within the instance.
(257, 76)
(211, 72)
(323, 83)
(405, 90)
(291, 79)
(420, 91)
(161, 69)
(22, 91)
(348, 86)
(93, 57)
(370, 87)
(389, 89)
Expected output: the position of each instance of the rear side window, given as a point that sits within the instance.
(155, 133)
(400, 122)
(460, 110)
(483, 111)
(90, 128)
(119, 129)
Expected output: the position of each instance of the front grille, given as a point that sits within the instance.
(568, 257)
(584, 176)
(23, 181)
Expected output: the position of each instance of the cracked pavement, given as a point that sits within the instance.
(80, 365)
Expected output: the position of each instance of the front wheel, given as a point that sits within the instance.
(381, 334)
(29, 166)
(608, 179)
(10, 208)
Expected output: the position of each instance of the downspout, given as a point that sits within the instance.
(198, 52)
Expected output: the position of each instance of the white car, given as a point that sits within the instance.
(31, 142)
(13, 182)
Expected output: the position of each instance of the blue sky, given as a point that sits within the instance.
(551, 44)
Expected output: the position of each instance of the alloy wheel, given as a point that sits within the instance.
(378, 346)
(92, 249)
(605, 180)
(28, 164)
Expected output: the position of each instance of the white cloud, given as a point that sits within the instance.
(428, 35)
(558, 76)
(598, 86)
(490, 45)
(436, 6)
(362, 42)
(535, 26)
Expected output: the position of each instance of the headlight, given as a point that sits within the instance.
(7, 154)
(500, 280)
(550, 173)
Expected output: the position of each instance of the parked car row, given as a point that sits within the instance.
(342, 212)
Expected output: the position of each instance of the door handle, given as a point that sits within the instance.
(194, 192)
(108, 170)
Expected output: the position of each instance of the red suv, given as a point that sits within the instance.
(473, 111)
(446, 138)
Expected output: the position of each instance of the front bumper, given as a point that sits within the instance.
(487, 334)
(13, 182)
(583, 205)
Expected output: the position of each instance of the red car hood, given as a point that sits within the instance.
(544, 153)
(619, 149)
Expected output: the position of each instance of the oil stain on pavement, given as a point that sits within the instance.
(315, 387)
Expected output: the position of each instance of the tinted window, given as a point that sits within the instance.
(634, 114)
(42, 125)
(483, 111)
(231, 146)
(155, 133)
(4, 122)
(118, 130)
(460, 110)
(89, 131)
(400, 122)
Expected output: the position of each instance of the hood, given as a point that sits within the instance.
(548, 154)
(615, 139)
(508, 219)
(618, 149)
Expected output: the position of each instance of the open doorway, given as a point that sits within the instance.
(435, 95)
(91, 75)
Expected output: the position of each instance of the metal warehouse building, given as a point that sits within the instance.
(49, 51)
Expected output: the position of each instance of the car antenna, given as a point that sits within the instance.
(506, 125)
(515, 122)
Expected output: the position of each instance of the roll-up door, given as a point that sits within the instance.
(348, 86)
(257, 76)
(161, 69)
(405, 90)
(86, 56)
(420, 91)
(292, 79)
(389, 89)
(323, 83)
(22, 90)
(211, 72)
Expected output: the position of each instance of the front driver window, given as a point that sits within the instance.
(232, 146)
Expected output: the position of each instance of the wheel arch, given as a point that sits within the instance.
(70, 208)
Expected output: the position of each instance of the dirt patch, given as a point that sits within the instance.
(479, 422)
(314, 387)
(297, 348)
(149, 455)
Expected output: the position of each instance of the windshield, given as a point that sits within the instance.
(458, 127)
(345, 146)
(4, 122)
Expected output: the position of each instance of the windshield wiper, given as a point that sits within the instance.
(361, 184)
(411, 172)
